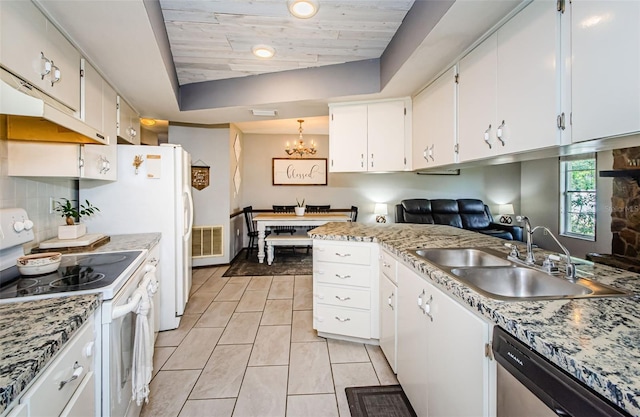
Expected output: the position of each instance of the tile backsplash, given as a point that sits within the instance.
(33, 194)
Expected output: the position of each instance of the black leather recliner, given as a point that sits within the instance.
(467, 213)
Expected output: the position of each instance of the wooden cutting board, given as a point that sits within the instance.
(84, 243)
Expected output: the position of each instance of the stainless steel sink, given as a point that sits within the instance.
(491, 274)
(464, 257)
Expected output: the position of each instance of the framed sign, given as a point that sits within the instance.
(199, 176)
(294, 171)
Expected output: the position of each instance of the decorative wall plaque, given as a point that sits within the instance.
(199, 176)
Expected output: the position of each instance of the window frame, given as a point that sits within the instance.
(565, 201)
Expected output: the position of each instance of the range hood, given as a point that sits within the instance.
(26, 113)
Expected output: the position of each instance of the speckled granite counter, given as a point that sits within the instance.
(596, 340)
(31, 333)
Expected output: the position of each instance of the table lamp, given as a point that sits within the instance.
(505, 211)
(380, 210)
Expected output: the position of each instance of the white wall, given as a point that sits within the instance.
(495, 185)
(33, 194)
(209, 146)
(540, 201)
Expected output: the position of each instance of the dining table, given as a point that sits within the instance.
(264, 220)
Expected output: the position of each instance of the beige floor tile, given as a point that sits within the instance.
(218, 314)
(222, 376)
(174, 337)
(281, 288)
(259, 283)
(199, 301)
(303, 292)
(263, 392)
(195, 349)
(160, 356)
(208, 408)
(242, 328)
(169, 391)
(381, 366)
(277, 312)
(341, 351)
(309, 369)
(240, 280)
(271, 346)
(220, 270)
(214, 284)
(302, 327)
(200, 275)
(194, 288)
(231, 292)
(252, 301)
(283, 278)
(351, 375)
(316, 405)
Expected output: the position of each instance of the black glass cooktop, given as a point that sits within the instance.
(76, 273)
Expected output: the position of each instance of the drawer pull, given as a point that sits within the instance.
(390, 301)
(342, 255)
(386, 265)
(76, 373)
(342, 320)
(343, 298)
(343, 276)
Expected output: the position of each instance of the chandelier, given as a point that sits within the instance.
(298, 146)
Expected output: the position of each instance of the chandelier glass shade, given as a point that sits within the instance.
(299, 147)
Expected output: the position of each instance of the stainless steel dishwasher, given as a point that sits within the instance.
(531, 386)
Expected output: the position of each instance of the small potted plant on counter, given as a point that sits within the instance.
(299, 208)
(73, 230)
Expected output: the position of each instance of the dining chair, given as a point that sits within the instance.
(252, 231)
(318, 209)
(283, 229)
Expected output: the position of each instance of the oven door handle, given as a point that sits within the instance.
(134, 300)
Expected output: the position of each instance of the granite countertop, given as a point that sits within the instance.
(32, 332)
(595, 340)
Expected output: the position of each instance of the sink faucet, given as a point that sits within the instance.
(530, 260)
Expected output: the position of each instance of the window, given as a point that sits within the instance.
(578, 196)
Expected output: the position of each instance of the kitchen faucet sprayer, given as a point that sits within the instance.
(570, 270)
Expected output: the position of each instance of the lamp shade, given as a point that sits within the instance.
(380, 208)
(506, 209)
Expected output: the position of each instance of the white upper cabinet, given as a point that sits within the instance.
(32, 48)
(509, 97)
(605, 69)
(369, 136)
(434, 123)
(128, 122)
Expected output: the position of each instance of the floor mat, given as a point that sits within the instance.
(379, 401)
(285, 262)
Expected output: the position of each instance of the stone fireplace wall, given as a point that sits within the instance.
(625, 205)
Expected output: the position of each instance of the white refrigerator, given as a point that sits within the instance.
(153, 197)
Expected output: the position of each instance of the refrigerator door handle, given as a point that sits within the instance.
(188, 199)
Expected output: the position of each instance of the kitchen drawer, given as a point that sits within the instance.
(341, 320)
(83, 402)
(45, 397)
(343, 296)
(342, 274)
(388, 266)
(345, 254)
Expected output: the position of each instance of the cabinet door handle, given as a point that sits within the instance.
(426, 309)
(46, 66)
(77, 371)
(343, 255)
(55, 74)
(487, 136)
(499, 132)
(343, 276)
(343, 298)
(428, 153)
(420, 299)
(343, 320)
(390, 302)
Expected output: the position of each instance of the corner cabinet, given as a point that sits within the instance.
(128, 123)
(441, 351)
(605, 35)
(32, 48)
(434, 123)
(345, 290)
(370, 137)
(508, 87)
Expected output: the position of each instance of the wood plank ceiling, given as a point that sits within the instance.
(212, 40)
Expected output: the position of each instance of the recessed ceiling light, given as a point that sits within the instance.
(303, 9)
(263, 51)
(148, 122)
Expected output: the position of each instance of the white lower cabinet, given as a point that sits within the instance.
(388, 307)
(345, 289)
(442, 365)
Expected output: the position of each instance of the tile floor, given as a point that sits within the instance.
(246, 347)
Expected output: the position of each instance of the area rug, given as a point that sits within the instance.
(379, 401)
(286, 262)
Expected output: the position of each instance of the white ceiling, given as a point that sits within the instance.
(118, 38)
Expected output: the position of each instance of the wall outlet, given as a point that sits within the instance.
(52, 205)
(237, 232)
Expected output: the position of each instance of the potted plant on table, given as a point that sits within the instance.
(299, 208)
(73, 230)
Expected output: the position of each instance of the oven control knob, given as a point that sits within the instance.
(88, 350)
(28, 224)
(18, 226)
